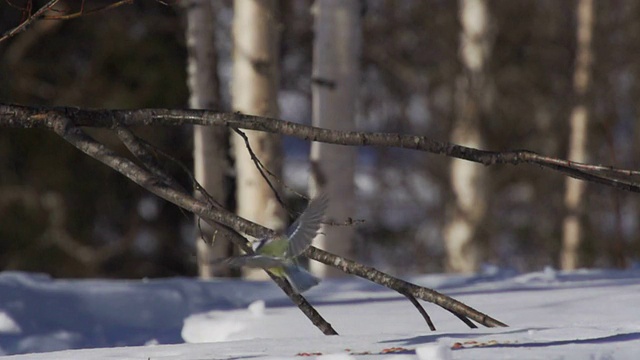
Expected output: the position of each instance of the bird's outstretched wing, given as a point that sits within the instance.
(305, 228)
(255, 261)
(300, 279)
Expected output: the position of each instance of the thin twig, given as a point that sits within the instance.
(82, 12)
(348, 222)
(464, 319)
(261, 168)
(144, 151)
(422, 311)
(23, 26)
(140, 151)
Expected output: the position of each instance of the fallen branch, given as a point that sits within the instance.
(459, 309)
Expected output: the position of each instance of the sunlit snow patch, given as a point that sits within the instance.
(216, 326)
(7, 325)
(437, 351)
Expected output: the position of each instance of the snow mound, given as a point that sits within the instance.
(434, 352)
(7, 325)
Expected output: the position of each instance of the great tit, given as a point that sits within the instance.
(278, 254)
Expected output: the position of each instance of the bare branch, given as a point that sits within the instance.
(406, 288)
(261, 168)
(41, 14)
(86, 144)
(25, 24)
(83, 12)
(140, 151)
(33, 117)
(422, 311)
(232, 223)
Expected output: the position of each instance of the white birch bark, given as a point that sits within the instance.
(468, 180)
(336, 74)
(210, 144)
(254, 91)
(572, 226)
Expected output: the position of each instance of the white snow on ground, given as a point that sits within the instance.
(578, 315)
(7, 325)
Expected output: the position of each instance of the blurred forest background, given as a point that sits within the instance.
(66, 214)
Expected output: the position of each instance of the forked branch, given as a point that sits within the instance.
(14, 116)
(459, 309)
(160, 184)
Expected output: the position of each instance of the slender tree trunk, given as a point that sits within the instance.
(572, 227)
(468, 180)
(336, 77)
(255, 92)
(210, 144)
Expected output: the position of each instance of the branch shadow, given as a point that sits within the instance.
(599, 340)
(425, 339)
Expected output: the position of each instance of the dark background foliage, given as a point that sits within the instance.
(65, 214)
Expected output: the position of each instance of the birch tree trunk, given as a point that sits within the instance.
(255, 91)
(336, 77)
(210, 144)
(468, 180)
(572, 226)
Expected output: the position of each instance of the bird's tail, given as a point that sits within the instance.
(300, 279)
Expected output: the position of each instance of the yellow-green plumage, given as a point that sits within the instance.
(277, 254)
(276, 248)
